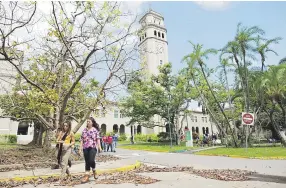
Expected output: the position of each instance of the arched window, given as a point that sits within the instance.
(115, 128)
(139, 131)
(163, 35)
(103, 128)
(193, 129)
(204, 130)
(155, 33)
(197, 130)
(145, 35)
(122, 129)
(207, 130)
(159, 34)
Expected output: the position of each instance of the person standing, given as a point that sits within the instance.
(90, 145)
(110, 143)
(66, 142)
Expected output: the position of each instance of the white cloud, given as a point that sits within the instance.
(213, 5)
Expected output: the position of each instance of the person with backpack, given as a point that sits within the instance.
(65, 141)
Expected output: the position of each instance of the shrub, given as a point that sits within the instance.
(77, 137)
(12, 139)
(122, 137)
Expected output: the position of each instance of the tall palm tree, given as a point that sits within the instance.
(224, 64)
(245, 37)
(282, 61)
(263, 48)
(197, 57)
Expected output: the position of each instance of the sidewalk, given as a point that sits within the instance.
(76, 168)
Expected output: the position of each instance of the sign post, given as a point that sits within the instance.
(247, 120)
(189, 138)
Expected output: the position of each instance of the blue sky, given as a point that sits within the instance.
(214, 28)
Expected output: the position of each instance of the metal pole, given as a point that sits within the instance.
(246, 137)
(170, 130)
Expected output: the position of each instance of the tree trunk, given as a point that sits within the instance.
(276, 127)
(77, 127)
(222, 111)
(39, 141)
(48, 139)
(222, 132)
(35, 135)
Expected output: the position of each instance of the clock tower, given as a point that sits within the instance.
(153, 42)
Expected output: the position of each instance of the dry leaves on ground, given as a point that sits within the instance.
(27, 158)
(217, 174)
(108, 178)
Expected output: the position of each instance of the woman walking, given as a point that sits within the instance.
(66, 142)
(90, 145)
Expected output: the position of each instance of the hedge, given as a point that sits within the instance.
(9, 138)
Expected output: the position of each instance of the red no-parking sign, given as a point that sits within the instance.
(247, 118)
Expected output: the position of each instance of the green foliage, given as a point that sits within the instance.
(12, 139)
(77, 137)
(122, 137)
(146, 138)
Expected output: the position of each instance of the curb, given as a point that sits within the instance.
(120, 169)
(245, 157)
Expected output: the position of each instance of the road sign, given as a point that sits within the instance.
(247, 118)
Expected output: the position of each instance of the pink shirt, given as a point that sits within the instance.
(89, 138)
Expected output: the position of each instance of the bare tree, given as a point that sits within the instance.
(88, 40)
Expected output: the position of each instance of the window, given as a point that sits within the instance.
(161, 62)
(145, 35)
(196, 120)
(155, 33)
(206, 119)
(203, 119)
(163, 35)
(116, 113)
(140, 39)
(121, 115)
(159, 23)
(159, 34)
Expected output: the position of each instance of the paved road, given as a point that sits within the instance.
(271, 168)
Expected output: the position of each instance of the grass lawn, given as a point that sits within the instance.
(156, 147)
(257, 152)
(7, 146)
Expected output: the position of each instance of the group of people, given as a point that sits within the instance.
(90, 145)
(109, 142)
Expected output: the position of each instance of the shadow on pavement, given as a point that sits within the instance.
(268, 178)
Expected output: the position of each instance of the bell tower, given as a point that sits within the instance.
(153, 41)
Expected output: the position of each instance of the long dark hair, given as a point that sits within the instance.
(94, 124)
(69, 126)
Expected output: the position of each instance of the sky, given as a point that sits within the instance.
(214, 24)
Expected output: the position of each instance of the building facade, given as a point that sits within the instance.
(153, 52)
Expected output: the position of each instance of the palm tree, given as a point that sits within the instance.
(245, 37)
(282, 61)
(197, 57)
(274, 84)
(223, 65)
(263, 48)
